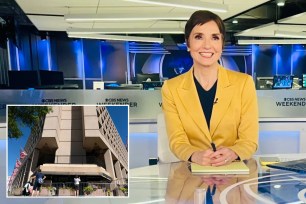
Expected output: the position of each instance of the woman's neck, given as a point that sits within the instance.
(206, 76)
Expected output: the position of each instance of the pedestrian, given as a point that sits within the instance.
(77, 185)
(38, 181)
(27, 189)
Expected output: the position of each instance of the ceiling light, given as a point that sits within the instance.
(289, 34)
(235, 21)
(125, 17)
(280, 2)
(270, 42)
(117, 37)
(125, 30)
(186, 4)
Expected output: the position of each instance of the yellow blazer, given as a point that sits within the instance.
(234, 119)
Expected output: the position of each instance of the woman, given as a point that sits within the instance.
(210, 106)
(77, 185)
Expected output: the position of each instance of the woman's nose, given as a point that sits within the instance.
(206, 43)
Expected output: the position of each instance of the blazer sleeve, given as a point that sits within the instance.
(178, 140)
(247, 142)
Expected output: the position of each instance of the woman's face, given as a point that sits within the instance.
(205, 44)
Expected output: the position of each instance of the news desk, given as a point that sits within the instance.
(173, 183)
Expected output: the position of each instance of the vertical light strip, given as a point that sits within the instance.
(128, 65)
(161, 66)
(291, 61)
(255, 50)
(49, 54)
(245, 65)
(83, 65)
(78, 51)
(9, 54)
(17, 58)
(101, 62)
(276, 58)
(133, 65)
(253, 62)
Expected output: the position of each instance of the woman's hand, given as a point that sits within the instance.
(202, 157)
(222, 156)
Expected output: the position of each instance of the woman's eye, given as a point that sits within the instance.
(198, 37)
(216, 38)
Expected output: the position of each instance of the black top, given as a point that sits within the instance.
(207, 99)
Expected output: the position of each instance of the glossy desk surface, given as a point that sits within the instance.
(174, 183)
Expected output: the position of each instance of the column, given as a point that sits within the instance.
(118, 172)
(124, 174)
(109, 163)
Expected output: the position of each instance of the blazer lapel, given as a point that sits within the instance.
(224, 95)
(190, 99)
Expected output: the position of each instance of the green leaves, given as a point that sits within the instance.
(24, 115)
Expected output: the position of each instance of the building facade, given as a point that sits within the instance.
(75, 140)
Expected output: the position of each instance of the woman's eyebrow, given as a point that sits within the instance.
(199, 33)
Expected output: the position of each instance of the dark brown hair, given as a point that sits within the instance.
(201, 17)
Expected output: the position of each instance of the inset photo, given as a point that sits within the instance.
(70, 151)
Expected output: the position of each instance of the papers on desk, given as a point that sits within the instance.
(236, 167)
(264, 161)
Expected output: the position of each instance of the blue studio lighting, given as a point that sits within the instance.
(78, 49)
(298, 52)
(43, 50)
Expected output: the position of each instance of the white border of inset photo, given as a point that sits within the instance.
(68, 145)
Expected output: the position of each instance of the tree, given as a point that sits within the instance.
(24, 115)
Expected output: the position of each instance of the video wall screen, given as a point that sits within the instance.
(282, 82)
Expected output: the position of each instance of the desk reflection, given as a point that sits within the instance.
(185, 187)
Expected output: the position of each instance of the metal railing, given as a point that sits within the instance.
(116, 188)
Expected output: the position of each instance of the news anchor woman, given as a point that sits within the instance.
(211, 112)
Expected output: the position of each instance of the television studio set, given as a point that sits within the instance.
(212, 113)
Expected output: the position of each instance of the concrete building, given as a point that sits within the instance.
(76, 140)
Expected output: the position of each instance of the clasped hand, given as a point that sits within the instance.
(221, 156)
